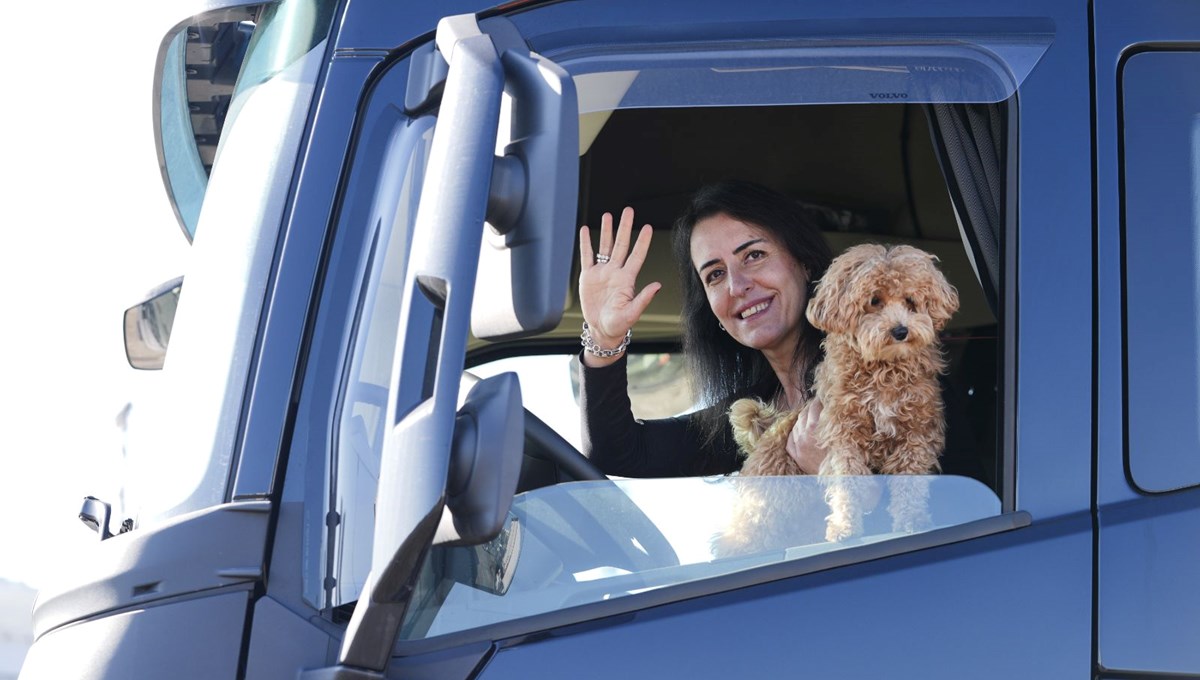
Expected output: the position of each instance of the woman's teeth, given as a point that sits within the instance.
(755, 309)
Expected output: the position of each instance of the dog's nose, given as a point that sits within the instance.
(900, 333)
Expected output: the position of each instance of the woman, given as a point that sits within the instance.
(748, 257)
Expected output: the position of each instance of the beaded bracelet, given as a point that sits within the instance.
(585, 339)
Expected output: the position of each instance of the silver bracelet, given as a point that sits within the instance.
(585, 339)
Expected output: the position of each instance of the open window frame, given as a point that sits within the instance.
(1007, 519)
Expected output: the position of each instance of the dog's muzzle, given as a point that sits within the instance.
(899, 333)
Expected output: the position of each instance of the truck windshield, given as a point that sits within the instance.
(181, 445)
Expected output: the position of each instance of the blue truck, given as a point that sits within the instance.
(365, 460)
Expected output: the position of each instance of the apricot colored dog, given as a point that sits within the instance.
(881, 309)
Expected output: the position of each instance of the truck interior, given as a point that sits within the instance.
(870, 172)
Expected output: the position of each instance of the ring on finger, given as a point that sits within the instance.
(601, 259)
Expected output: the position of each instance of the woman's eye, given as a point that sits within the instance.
(755, 255)
(713, 275)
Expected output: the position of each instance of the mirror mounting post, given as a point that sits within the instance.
(428, 442)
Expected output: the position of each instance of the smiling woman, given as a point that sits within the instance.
(747, 256)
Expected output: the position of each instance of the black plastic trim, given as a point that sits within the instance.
(1095, 500)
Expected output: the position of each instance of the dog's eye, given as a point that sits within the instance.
(874, 301)
(912, 305)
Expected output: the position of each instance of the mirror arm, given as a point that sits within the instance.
(428, 360)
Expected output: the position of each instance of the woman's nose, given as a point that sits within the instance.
(738, 284)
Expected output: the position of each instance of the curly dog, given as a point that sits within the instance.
(882, 310)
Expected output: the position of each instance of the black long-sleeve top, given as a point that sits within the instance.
(621, 445)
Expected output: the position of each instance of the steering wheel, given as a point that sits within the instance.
(543, 443)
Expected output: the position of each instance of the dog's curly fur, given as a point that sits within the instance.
(882, 310)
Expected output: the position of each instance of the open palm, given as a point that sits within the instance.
(607, 290)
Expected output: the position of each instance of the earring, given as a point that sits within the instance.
(721, 326)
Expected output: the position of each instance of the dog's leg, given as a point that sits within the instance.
(908, 486)
(909, 504)
(843, 473)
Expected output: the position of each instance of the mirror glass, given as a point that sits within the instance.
(197, 72)
(148, 326)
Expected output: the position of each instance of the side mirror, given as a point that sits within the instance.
(148, 326)
(525, 256)
(485, 462)
(197, 69)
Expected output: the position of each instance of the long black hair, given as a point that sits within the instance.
(723, 369)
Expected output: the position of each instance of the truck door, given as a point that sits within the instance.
(1148, 287)
(612, 578)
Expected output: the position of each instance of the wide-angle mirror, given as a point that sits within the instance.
(148, 326)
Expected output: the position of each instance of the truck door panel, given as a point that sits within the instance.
(1148, 503)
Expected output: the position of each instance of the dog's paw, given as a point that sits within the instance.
(838, 529)
(913, 524)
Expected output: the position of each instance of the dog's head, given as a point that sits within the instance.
(890, 301)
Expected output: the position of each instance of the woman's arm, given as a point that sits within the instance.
(621, 445)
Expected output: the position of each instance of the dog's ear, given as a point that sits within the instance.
(750, 418)
(943, 298)
(835, 305)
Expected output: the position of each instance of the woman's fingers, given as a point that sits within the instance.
(637, 257)
(642, 301)
(814, 414)
(606, 235)
(620, 249)
(586, 256)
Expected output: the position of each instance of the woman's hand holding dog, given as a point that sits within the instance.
(802, 443)
(611, 305)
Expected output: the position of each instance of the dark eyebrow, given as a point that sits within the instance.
(747, 244)
(737, 250)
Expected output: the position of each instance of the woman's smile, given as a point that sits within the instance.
(754, 309)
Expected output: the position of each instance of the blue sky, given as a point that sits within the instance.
(85, 230)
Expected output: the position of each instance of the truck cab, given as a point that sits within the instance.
(365, 460)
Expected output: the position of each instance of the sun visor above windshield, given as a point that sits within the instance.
(942, 67)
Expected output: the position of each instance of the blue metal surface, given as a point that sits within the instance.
(192, 638)
(1149, 545)
(386, 24)
(1053, 399)
(979, 609)
(297, 273)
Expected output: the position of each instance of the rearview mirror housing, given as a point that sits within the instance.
(525, 257)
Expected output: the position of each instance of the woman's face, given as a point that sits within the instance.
(756, 289)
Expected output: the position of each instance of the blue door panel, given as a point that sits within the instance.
(1148, 605)
(199, 638)
(1149, 609)
(980, 609)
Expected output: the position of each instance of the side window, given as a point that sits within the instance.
(360, 421)
(1160, 94)
(334, 460)
(582, 542)
(658, 387)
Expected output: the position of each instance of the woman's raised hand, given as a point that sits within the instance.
(611, 305)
